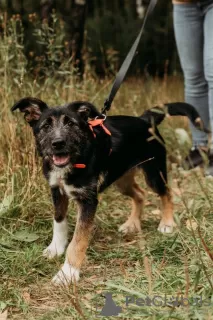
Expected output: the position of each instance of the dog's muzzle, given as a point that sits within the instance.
(61, 160)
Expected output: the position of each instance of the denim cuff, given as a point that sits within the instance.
(203, 143)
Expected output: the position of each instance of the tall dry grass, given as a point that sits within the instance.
(138, 266)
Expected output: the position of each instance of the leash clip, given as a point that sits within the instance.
(102, 115)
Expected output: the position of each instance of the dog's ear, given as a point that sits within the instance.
(84, 112)
(32, 108)
(84, 109)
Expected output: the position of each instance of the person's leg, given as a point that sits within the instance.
(208, 61)
(208, 67)
(188, 26)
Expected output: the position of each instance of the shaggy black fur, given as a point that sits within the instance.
(65, 141)
(64, 131)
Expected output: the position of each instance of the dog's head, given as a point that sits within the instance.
(62, 133)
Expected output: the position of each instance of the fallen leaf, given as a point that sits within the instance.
(26, 236)
(5, 204)
(3, 306)
(191, 225)
(3, 316)
(100, 291)
(182, 137)
(26, 296)
(190, 203)
(156, 212)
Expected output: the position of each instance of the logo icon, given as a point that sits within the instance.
(110, 308)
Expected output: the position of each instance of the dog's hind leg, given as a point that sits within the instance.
(60, 226)
(167, 221)
(128, 187)
(76, 250)
(156, 177)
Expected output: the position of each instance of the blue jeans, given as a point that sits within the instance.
(193, 25)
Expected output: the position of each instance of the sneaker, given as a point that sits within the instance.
(197, 157)
(209, 169)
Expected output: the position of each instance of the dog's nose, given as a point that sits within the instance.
(58, 144)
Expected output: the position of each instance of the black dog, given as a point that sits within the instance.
(83, 157)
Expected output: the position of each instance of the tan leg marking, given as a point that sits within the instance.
(129, 187)
(76, 250)
(167, 221)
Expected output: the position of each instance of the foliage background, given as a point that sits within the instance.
(110, 28)
(36, 59)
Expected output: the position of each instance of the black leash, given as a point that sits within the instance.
(125, 66)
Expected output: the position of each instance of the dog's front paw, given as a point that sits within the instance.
(166, 226)
(131, 226)
(66, 275)
(54, 249)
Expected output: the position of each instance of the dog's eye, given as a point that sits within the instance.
(68, 122)
(46, 126)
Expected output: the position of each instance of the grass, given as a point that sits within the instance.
(144, 265)
(138, 266)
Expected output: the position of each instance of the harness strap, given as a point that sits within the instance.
(98, 122)
(94, 123)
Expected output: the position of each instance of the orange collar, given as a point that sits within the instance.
(94, 123)
(79, 165)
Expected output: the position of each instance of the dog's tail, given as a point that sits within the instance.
(156, 115)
